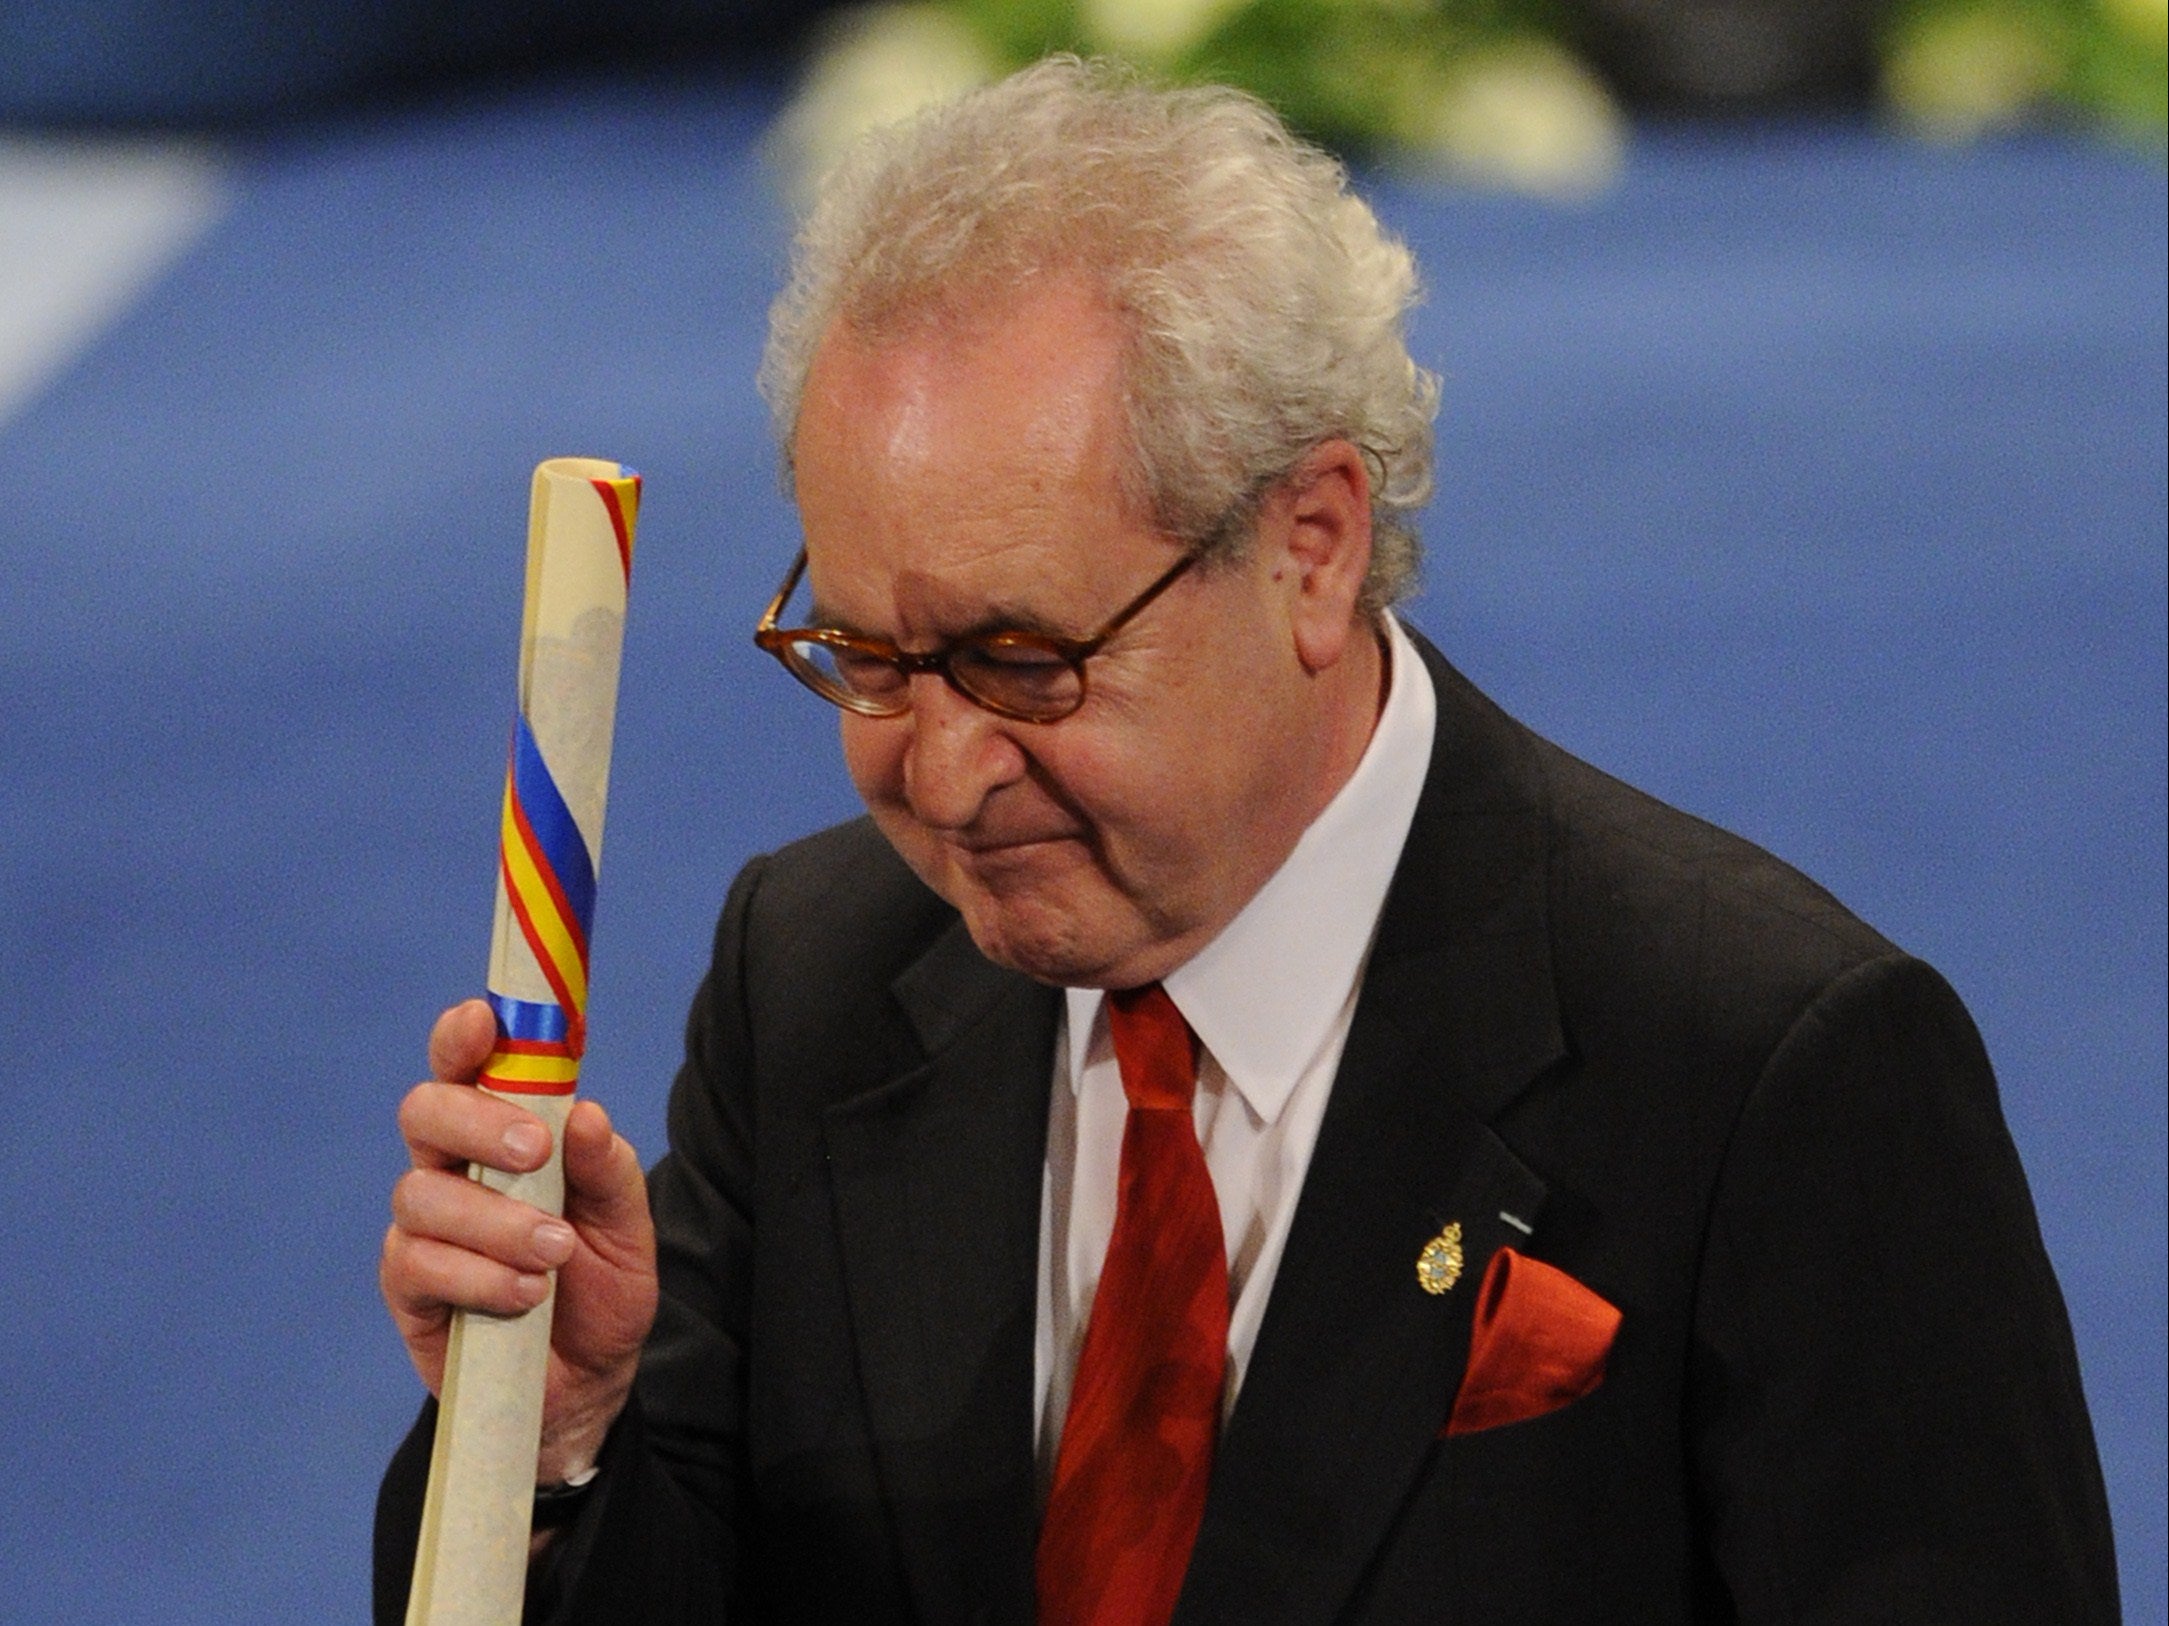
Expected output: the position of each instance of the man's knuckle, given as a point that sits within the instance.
(409, 1195)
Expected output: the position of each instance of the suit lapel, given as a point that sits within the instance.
(1356, 1366)
(936, 1179)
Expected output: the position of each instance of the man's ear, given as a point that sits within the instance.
(1320, 517)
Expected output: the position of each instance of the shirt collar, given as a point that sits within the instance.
(1263, 996)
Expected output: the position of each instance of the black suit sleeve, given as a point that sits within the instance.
(1888, 1423)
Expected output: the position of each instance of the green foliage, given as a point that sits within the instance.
(1491, 92)
(1957, 68)
(1021, 31)
(2120, 70)
(1336, 72)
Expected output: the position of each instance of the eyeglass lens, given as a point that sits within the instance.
(1009, 673)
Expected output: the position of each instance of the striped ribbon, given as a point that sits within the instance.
(621, 501)
(550, 883)
(532, 1057)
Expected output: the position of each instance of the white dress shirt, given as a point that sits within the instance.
(1270, 1000)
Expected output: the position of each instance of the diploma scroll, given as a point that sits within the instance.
(471, 1566)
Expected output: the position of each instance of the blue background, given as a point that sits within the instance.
(1813, 481)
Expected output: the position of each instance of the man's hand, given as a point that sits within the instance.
(455, 1244)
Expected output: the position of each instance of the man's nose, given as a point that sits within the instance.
(959, 755)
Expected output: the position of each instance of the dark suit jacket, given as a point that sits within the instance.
(1844, 1387)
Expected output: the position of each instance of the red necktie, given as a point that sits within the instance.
(1137, 1448)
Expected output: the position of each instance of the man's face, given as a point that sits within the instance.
(968, 478)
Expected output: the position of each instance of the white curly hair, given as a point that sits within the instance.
(1263, 301)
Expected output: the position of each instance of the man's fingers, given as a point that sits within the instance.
(448, 1207)
(448, 1126)
(462, 1041)
(605, 1192)
(422, 1278)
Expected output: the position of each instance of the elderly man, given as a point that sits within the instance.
(1246, 1132)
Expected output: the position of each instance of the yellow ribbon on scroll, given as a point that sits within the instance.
(471, 1566)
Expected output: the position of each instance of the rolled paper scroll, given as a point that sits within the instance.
(471, 1566)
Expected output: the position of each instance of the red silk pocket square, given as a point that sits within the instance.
(1540, 1343)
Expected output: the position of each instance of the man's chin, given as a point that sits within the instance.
(1047, 951)
(1043, 911)
(1050, 940)
(1069, 948)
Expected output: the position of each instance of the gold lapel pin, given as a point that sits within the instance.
(1438, 1267)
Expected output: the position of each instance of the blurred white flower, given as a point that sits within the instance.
(872, 66)
(1957, 75)
(1151, 30)
(1524, 116)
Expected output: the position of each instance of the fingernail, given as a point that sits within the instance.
(526, 1141)
(531, 1290)
(553, 1240)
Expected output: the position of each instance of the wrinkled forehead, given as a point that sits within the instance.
(1009, 431)
(943, 496)
(1004, 332)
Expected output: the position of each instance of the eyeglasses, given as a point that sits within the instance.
(1029, 677)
